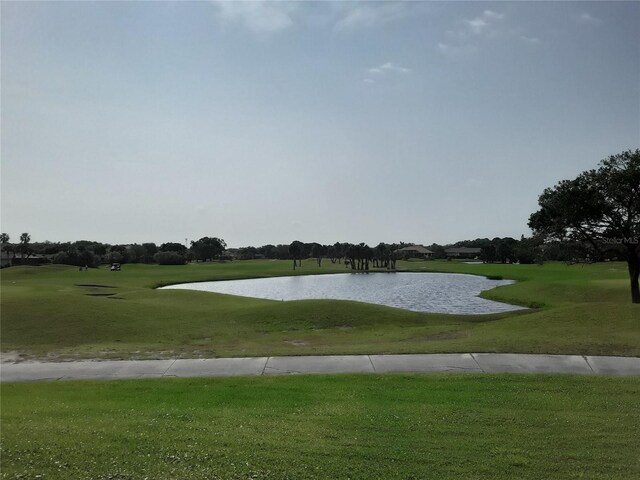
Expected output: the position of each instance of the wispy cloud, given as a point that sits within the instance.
(587, 19)
(484, 24)
(530, 40)
(258, 17)
(355, 16)
(489, 14)
(388, 68)
(477, 25)
(384, 70)
(265, 17)
(455, 49)
(469, 33)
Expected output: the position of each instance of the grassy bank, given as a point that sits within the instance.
(59, 312)
(387, 426)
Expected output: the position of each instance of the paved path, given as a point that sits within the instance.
(435, 363)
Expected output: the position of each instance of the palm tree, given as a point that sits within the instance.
(4, 238)
(25, 238)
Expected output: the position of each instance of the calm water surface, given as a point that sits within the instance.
(420, 292)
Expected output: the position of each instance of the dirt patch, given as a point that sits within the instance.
(11, 357)
(99, 294)
(93, 285)
(297, 343)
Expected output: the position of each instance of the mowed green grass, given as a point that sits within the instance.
(59, 312)
(325, 427)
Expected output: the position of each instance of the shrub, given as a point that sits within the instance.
(169, 258)
(77, 258)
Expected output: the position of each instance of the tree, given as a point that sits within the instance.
(117, 254)
(150, 250)
(317, 252)
(207, 248)
(136, 253)
(505, 249)
(114, 256)
(337, 252)
(4, 239)
(173, 247)
(528, 250)
(169, 258)
(488, 254)
(77, 257)
(295, 250)
(25, 238)
(600, 207)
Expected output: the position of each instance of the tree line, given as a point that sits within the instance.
(90, 253)
(360, 257)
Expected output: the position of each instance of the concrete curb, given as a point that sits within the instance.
(330, 364)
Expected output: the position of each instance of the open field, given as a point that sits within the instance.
(387, 426)
(58, 312)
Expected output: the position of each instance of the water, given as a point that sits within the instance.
(419, 292)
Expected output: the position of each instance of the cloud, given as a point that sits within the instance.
(477, 25)
(461, 49)
(588, 19)
(530, 40)
(358, 15)
(492, 15)
(484, 23)
(368, 80)
(275, 16)
(464, 38)
(388, 68)
(258, 17)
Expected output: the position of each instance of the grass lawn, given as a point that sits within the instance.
(329, 427)
(58, 312)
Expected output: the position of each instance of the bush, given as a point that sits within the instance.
(169, 258)
(114, 257)
(74, 257)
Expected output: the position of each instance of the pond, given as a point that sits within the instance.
(420, 292)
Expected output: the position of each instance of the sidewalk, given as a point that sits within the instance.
(218, 367)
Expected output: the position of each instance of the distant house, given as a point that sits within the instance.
(462, 252)
(5, 259)
(414, 251)
(8, 259)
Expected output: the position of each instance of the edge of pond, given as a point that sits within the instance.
(529, 307)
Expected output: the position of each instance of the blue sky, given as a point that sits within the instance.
(319, 121)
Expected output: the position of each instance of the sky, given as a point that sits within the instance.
(268, 122)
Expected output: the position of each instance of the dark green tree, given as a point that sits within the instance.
(317, 252)
(4, 239)
(25, 238)
(173, 247)
(600, 207)
(207, 248)
(295, 250)
(150, 249)
(488, 253)
(169, 258)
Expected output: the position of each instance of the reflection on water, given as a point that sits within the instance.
(420, 292)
